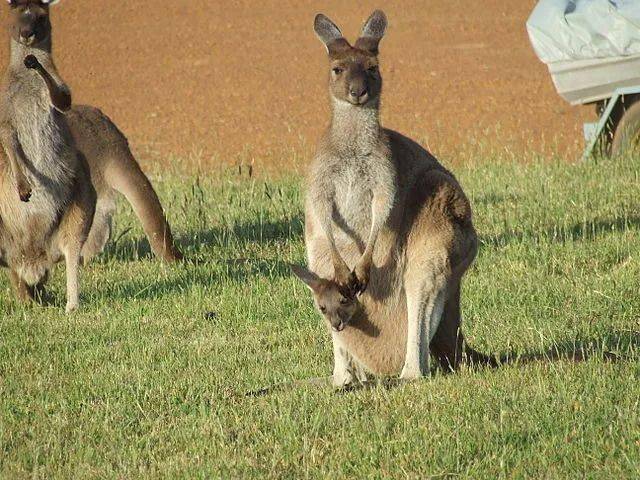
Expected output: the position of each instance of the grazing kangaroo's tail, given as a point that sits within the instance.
(126, 176)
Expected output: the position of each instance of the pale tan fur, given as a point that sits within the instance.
(425, 243)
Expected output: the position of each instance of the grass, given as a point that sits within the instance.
(148, 379)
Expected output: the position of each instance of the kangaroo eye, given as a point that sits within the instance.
(338, 70)
(373, 69)
(323, 309)
(344, 301)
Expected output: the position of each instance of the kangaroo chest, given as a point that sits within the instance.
(50, 162)
(352, 202)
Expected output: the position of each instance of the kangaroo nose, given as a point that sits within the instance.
(358, 91)
(27, 33)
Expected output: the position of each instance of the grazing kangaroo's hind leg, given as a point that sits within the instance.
(73, 232)
(125, 175)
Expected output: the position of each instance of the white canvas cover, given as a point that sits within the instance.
(569, 30)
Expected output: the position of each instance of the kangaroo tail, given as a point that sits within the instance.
(479, 359)
(126, 176)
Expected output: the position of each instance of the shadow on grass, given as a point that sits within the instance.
(584, 231)
(234, 270)
(126, 249)
(611, 347)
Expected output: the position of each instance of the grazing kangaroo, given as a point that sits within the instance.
(54, 216)
(113, 168)
(381, 203)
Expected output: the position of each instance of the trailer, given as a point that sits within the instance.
(592, 50)
(613, 86)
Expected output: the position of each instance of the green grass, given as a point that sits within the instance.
(141, 383)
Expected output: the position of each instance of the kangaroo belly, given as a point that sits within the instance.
(377, 339)
(27, 237)
(28, 229)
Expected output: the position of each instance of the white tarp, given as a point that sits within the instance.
(567, 30)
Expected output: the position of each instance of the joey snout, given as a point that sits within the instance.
(339, 321)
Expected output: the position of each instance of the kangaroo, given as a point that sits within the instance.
(379, 202)
(113, 169)
(53, 219)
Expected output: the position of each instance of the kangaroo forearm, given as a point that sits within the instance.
(341, 269)
(17, 163)
(58, 90)
(59, 93)
(380, 210)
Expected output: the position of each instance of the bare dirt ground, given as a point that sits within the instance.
(245, 80)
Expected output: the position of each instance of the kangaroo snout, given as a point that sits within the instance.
(338, 328)
(27, 35)
(358, 95)
(358, 91)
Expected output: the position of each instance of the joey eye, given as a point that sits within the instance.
(373, 69)
(345, 301)
(337, 70)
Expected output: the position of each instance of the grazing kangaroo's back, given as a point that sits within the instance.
(49, 214)
(387, 227)
(114, 169)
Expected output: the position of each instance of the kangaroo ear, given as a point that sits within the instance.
(329, 34)
(372, 32)
(309, 278)
(49, 2)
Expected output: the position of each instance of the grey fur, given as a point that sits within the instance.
(326, 30)
(375, 26)
(55, 221)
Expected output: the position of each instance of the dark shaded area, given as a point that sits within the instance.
(127, 249)
(580, 350)
(584, 231)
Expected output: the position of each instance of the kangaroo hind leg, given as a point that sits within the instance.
(425, 306)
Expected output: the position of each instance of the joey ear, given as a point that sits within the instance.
(372, 32)
(329, 34)
(308, 277)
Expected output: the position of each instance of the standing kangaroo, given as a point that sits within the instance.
(57, 205)
(381, 203)
(112, 167)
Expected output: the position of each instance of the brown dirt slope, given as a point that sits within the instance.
(246, 79)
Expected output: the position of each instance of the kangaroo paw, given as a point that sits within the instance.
(31, 62)
(24, 191)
